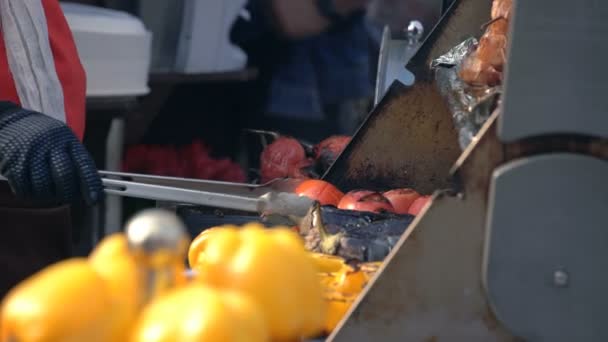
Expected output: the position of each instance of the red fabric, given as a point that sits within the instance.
(67, 63)
(8, 92)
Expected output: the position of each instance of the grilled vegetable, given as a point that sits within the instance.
(293, 158)
(68, 301)
(419, 204)
(365, 200)
(284, 157)
(502, 9)
(271, 266)
(342, 288)
(328, 150)
(328, 263)
(349, 234)
(320, 191)
(124, 280)
(401, 199)
(492, 47)
(484, 66)
(99, 298)
(478, 72)
(199, 313)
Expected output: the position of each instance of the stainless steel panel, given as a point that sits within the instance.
(409, 140)
(556, 75)
(547, 247)
(430, 287)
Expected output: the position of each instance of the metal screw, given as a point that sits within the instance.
(560, 278)
(414, 31)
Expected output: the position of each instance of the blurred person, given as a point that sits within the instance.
(46, 170)
(315, 59)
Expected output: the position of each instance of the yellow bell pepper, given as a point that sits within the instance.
(197, 313)
(328, 263)
(342, 288)
(67, 302)
(270, 265)
(199, 244)
(124, 279)
(338, 305)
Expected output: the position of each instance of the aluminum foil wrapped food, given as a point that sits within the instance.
(484, 66)
(502, 9)
(470, 104)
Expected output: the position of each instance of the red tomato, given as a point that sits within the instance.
(299, 169)
(332, 146)
(365, 200)
(351, 197)
(283, 158)
(401, 199)
(328, 150)
(320, 191)
(418, 205)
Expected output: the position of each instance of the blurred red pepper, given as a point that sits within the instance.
(191, 161)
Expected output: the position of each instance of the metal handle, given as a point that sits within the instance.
(184, 183)
(180, 195)
(284, 204)
(237, 189)
(279, 203)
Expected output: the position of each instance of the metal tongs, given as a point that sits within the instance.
(273, 198)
